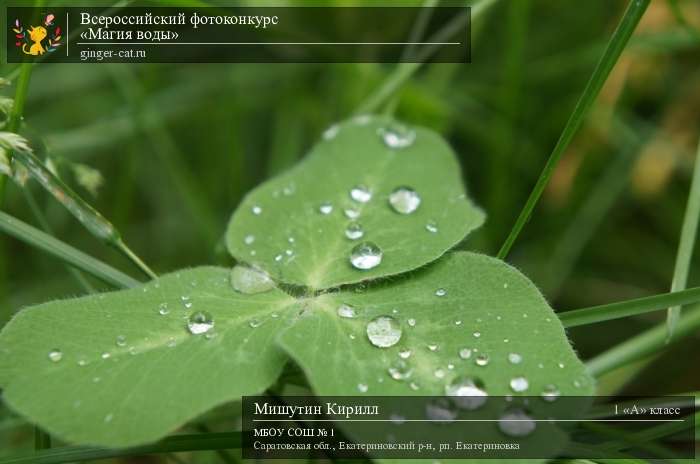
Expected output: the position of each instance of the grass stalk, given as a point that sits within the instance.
(76, 258)
(686, 244)
(616, 44)
(42, 440)
(627, 308)
(644, 344)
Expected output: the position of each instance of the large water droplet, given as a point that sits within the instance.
(404, 200)
(361, 194)
(325, 208)
(384, 331)
(249, 280)
(516, 423)
(466, 392)
(347, 311)
(400, 370)
(366, 255)
(55, 355)
(354, 231)
(519, 384)
(200, 322)
(397, 136)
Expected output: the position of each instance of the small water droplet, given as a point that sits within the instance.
(278, 258)
(414, 386)
(465, 353)
(458, 322)
(254, 323)
(439, 373)
(360, 194)
(404, 200)
(106, 355)
(257, 210)
(200, 322)
(325, 208)
(384, 331)
(82, 363)
(482, 360)
(561, 365)
(433, 347)
(55, 355)
(331, 132)
(362, 387)
(172, 343)
(405, 353)
(249, 239)
(516, 423)
(397, 136)
(550, 393)
(400, 370)
(351, 213)
(109, 417)
(366, 255)
(519, 384)
(163, 309)
(411, 322)
(354, 231)
(249, 281)
(432, 227)
(477, 334)
(121, 340)
(346, 311)
(466, 392)
(514, 358)
(440, 292)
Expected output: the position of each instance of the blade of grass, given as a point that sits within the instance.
(627, 308)
(616, 44)
(404, 71)
(81, 210)
(686, 244)
(178, 443)
(42, 440)
(65, 252)
(644, 344)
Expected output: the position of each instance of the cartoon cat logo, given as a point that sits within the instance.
(31, 40)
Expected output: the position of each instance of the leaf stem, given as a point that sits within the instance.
(627, 308)
(686, 244)
(642, 345)
(65, 252)
(613, 50)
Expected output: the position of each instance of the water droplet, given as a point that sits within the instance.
(400, 370)
(397, 136)
(519, 384)
(466, 392)
(366, 255)
(440, 292)
(465, 353)
(109, 417)
(200, 322)
(82, 363)
(257, 210)
(440, 410)
(439, 373)
(351, 213)
(331, 132)
(254, 323)
(477, 334)
(249, 239)
(278, 258)
(172, 343)
(404, 200)
(163, 309)
(414, 386)
(405, 353)
(354, 231)
(458, 322)
(249, 280)
(384, 331)
(121, 340)
(411, 322)
(362, 387)
(516, 423)
(482, 360)
(432, 227)
(106, 355)
(55, 355)
(550, 393)
(347, 311)
(561, 365)
(433, 347)
(514, 358)
(360, 194)
(325, 208)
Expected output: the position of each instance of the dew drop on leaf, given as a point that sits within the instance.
(411, 322)
(440, 410)
(249, 239)
(400, 370)
(362, 387)
(257, 210)
(405, 353)
(55, 355)
(431, 227)
(346, 311)
(331, 132)
(360, 194)
(439, 373)
(465, 353)
(440, 292)
(550, 393)
(519, 384)
(397, 136)
(351, 213)
(466, 392)
(477, 334)
(249, 281)
(482, 359)
(325, 208)
(384, 331)
(514, 358)
(121, 340)
(200, 322)
(433, 347)
(354, 231)
(516, 423)
(163, 309)
(254, 323)
(366, 255)
(404, 200)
